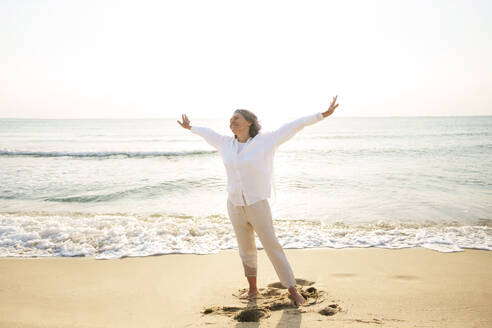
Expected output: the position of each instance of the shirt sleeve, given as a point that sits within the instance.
(211, 137)
(288, 130)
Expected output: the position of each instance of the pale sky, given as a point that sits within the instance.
(158, 59)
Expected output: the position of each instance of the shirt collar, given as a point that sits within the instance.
(237, 141)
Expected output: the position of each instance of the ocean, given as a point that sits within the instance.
(139, 187)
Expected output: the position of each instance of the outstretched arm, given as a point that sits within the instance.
(287, 131)
(211, 137)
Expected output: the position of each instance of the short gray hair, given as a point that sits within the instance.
(249, 116)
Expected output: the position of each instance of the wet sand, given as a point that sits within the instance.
(345, 288)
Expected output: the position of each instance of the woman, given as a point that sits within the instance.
(248, 159)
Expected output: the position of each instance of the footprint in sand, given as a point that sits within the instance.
(273, 298)
(330, 309)
(404, 277)
(250, 315)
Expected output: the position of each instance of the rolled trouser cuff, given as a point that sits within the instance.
(249, 270)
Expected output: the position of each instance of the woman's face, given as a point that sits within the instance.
(238, 123)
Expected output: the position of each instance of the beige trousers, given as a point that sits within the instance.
(258, 217)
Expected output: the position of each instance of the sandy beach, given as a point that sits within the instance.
(364, 287)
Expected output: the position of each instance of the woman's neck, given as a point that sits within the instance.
(242, 139)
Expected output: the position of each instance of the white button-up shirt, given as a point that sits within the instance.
(250, 171)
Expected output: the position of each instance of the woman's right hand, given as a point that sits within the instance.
(186, 122)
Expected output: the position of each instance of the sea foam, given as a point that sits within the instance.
(122, 235)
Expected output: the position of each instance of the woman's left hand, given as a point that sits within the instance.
(332, 107)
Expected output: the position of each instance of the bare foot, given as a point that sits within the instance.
(249, 294)
(298, 298)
